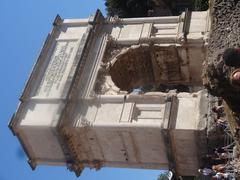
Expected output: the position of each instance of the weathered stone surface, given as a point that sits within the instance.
(132, 68)
(76, 98)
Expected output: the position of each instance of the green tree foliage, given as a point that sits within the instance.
(140, 8)
(163, 176)
(178, 6)
(166, 175)
(128, 8)
(201, 5)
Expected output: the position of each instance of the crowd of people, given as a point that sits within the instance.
(217, 164)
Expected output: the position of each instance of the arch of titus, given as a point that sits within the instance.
(86, 103)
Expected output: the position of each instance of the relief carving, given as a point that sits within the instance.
(125, 68)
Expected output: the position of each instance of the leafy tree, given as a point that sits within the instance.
(201, 5)
(128, 8)
(141, 8)
(163, 176)
(167, 175)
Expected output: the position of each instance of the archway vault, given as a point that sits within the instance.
(145, 64)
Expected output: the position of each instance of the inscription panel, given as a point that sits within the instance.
(59, 72)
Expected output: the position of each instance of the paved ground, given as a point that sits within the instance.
(225, 33)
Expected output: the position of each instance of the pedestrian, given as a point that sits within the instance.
(206, 172)
(231, 57)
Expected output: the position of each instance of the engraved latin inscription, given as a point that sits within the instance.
(57, 72)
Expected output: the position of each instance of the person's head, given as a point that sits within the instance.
(231, 57)
(235, 78)
(214, 109)
(215, 168)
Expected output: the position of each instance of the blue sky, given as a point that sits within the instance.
(23, 28)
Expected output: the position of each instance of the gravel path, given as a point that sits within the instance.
(225, 32)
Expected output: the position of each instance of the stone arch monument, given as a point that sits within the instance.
(81, 107)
